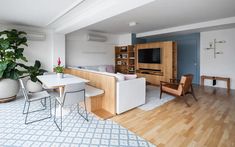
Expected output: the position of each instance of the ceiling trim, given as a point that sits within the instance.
(96, 14)
(195, 26)
(66, 11)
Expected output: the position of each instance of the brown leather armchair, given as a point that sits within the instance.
(178, 88)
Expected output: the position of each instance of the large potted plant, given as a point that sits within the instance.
(33, 84)
(11, 58)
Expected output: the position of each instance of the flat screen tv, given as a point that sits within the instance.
(151, 55)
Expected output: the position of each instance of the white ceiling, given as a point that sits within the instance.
(113, 16)
(162, 14)
(33, 12)
(93, 11)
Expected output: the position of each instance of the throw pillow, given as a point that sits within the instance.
(102, 68)
(120, 77)
(130, 77)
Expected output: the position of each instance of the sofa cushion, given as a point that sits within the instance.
(130, 77)
(110, 68)
(102, 68)
(120, 77)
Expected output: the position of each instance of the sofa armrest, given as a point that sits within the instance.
(130, 94)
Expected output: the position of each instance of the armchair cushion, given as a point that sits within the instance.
(180, 89)
(171, 88)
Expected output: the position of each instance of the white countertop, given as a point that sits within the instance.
(54, 81)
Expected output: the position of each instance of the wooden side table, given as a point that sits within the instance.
(226, 79)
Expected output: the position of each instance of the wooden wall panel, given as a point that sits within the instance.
(102, 81)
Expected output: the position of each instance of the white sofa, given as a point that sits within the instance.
(129, 93)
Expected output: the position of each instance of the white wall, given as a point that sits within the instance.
(45, 51)
(80, 52)
(58, 48)
(124, 39)
(222, 65)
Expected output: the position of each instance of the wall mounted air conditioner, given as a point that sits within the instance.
(96, 37)
(36, 36)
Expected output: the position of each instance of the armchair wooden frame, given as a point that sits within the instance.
(178, 87)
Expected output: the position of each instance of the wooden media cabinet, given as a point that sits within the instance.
(166, 70)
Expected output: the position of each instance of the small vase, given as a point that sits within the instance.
(60, 75)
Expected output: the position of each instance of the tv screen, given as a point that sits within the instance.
(151, 55)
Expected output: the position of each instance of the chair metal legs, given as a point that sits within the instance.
(59, 127)
(45, 102)
(44, 106)
(84, 100)
(27, 112)
(24, 107)
(85, 117)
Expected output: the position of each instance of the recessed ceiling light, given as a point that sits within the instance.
(133, 23)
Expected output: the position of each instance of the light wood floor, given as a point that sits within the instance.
(210, 122)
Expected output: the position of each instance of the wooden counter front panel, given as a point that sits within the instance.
(108, 83)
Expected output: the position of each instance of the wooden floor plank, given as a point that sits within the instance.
(210, 122)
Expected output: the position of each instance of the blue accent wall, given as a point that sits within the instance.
(137, 40)
(188, 52)
(133, 39)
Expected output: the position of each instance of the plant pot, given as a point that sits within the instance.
(60, 75)
(34, 86)
(8, 89)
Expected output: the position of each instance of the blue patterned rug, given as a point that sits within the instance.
(76, 131)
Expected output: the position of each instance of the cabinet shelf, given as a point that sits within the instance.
(125, 60)
(121, 58)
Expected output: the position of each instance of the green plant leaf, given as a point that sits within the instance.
(59, 69)
(24, 59)
(10, 52)
(15, 74)
(37, 64)
(5, 44)
(3, 67)
(35, 71)
(22, 33)
(42, 70)
(22, 65)
(11, 65)
(33, 78)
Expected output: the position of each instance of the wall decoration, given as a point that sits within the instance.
(213, 47)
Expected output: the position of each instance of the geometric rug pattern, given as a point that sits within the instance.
(76, 131)
(153, 98)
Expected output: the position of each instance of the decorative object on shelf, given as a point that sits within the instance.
(12, 43)
(59, 69)
(123, 49)
(119, 62)
(124, 56)
(119, 56)
(33, 84)
(213, 47)
(125, 59)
